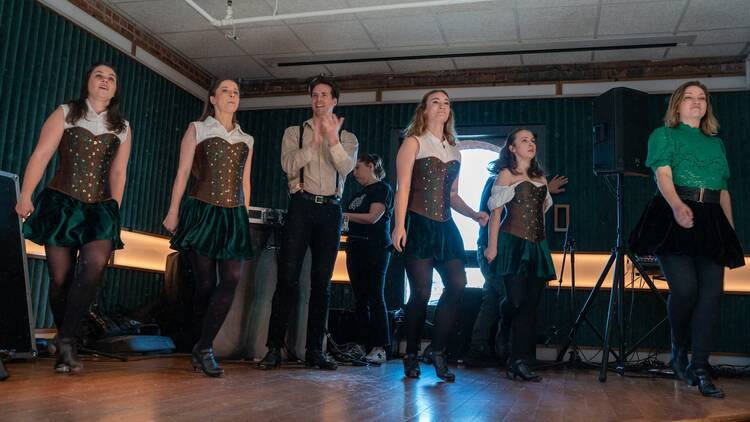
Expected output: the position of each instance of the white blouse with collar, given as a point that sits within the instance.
(94, 122)
(212, 128)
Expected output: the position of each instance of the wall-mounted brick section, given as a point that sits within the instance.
(110, 17)
(516, 75)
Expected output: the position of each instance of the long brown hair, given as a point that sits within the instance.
(77, 108)
(208, 108)
(709, 125)
(507, 159)
(418, 124)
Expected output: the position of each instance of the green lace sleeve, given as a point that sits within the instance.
(660, 148)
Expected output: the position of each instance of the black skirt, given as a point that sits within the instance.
(657, 233)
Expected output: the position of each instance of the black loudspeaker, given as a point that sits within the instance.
(620, 131)
(16, 321)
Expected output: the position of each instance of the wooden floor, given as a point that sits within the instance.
(160, 389)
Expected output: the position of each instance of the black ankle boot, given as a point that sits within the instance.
(679, 361)
(519, 369)
(67, 356)
(316, 358)
(272, 360)
(702, 378)
(440, 362)
(204, 361)
(411, 366)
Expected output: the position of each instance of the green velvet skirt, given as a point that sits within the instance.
(426, 238)
(520, 257)
(213, 231)
(61, 220)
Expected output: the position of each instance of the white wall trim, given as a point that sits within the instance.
(115, 39)
(505, 92)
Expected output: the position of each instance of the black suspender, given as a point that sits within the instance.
(302, 170)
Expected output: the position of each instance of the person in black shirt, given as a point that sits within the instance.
(369, 216)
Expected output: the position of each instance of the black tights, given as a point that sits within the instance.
(213, 298)
(420, 284)
(696, 284)
(518, 310)
(73, 285)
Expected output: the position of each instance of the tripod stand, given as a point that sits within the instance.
(569, 249)
(615, 307)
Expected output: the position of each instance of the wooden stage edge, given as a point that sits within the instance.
(166, 388)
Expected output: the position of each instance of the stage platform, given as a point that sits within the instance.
(166, 389)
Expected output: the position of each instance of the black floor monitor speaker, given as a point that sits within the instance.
(16, 321)
(620, 131)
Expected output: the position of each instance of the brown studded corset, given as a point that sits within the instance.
(217, 167)
(430, 193)
(524, 216)
(85, 160)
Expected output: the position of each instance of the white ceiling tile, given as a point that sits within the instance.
(656, 17)
(165, 16)
(680, 52)
(404, 31)
(720, 36)
(240, 9)
(345, 35)
(527, 4)
(557, 22)
(495, 5)
(412, 11)
(478, 26)
(625, 55)
(270, 40)
(233, 67)
(301, 6)
(487, 61)
(423, 65)
(345, 69)
(716, 14)
(202, 44)
(299, 72)
(557, 58)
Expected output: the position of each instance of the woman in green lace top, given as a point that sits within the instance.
(688, 226)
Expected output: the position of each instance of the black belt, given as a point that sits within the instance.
(319, 199)
(710, 196)
(357, 237)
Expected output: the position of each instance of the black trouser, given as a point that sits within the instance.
(519, 309)
(696, 284)
(367, 266)
(493, 293)
(317, 226)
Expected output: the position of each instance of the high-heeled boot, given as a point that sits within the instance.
(204, 361)
(67, 356)
(679, 361)
(518, 368)
(702, 378)
(440, 362)
(411, 366)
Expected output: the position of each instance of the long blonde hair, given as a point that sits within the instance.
(709, 125)
(418, 124)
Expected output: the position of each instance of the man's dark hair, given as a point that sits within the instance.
(324, 80)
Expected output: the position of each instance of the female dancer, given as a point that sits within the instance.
(369, 215)
(522, 259)
(212, 228)
(427, 167)
(688, 226)
(77, 217)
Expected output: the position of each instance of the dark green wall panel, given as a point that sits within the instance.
(568, 151)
